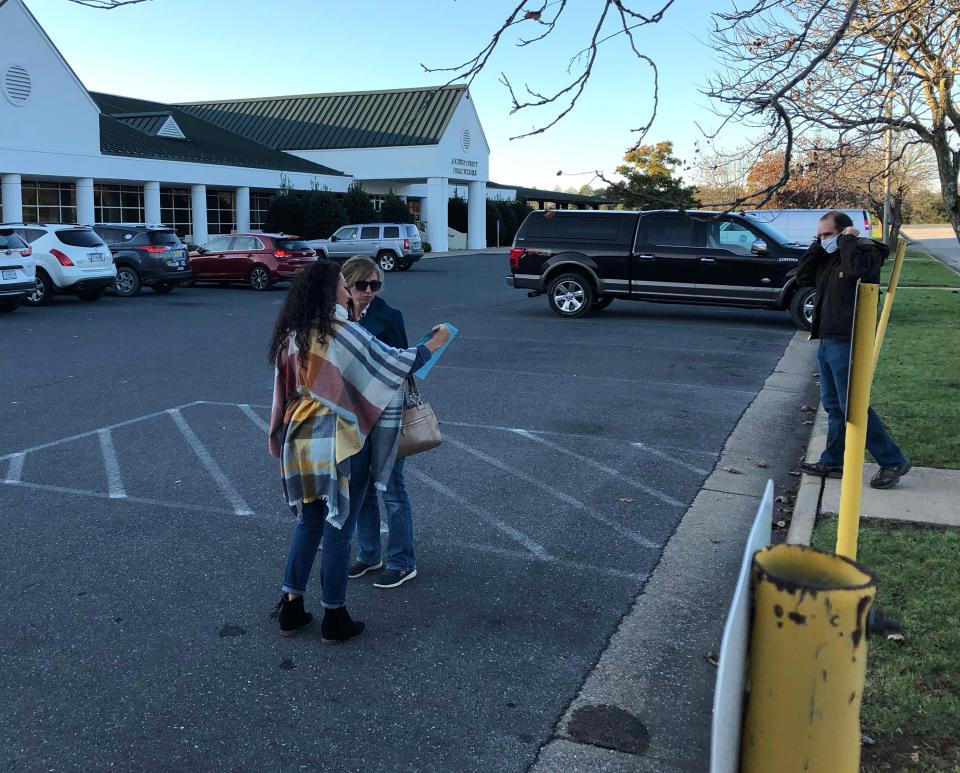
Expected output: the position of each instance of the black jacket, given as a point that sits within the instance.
(386, 323)
(835, 276)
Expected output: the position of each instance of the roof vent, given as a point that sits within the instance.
(171, 130)
(465, 140)
(16, 85)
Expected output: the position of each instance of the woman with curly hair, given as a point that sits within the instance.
(335, 424)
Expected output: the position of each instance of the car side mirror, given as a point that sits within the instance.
(334, 238)
(201, 250)
(759, 247)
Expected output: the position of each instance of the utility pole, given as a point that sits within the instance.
(887, 203)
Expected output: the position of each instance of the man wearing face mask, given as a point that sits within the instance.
(833, 264)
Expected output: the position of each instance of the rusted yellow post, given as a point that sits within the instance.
(858, 402)
(808, 656)
(888, 301)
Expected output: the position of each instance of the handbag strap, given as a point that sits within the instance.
(414, 395)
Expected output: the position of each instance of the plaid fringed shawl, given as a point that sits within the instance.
(324, 409)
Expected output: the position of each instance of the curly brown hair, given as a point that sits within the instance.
(308, 309)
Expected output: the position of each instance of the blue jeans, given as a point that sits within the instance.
(312, 529)
(833, 358)
(399, 520)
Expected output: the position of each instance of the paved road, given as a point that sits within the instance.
(144, 537)
(938, 240)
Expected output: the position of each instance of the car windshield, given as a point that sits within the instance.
(80, 237)
(774, 233)
(292, 244)
(166, 238)
(10, 241)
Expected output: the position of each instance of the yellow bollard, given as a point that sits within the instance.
(888, 301)
(808, 657)
(858, 402)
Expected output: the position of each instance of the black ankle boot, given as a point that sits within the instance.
(289, 613)
(338, 626)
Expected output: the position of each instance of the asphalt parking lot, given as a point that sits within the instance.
(144, 534)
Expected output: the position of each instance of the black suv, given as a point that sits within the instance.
(584, 260)
(145, 255)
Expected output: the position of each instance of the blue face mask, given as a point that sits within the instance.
(829, 243)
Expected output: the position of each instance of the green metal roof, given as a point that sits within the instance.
(204, 143)
(541, 194)
(362, 119)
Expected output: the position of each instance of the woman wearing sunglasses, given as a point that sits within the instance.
(365, 281)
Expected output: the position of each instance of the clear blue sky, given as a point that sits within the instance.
(177, 50)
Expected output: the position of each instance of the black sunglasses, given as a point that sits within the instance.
(374, 286)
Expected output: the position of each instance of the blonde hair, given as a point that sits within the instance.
(358, 267)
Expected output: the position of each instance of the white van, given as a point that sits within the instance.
(800, 225)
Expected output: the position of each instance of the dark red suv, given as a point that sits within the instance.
(257, 259)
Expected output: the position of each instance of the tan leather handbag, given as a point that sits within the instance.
(419, 428)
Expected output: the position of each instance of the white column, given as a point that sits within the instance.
(198, 201)
(151, 203)
(12, 198)
(477, 216)
(436, 215)
(243, 209)
(86, 214)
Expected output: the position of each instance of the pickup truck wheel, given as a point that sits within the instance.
(387, 261)
(570, 295)
(801, 307)
(601, 303)
(127, 283)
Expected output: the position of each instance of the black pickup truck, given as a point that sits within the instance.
(583, 260)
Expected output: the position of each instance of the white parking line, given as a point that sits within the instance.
(112, 466)
(15, 470)
(535, 548)
(239, 506)
(572, 501)
(656, 452)
(254, 416)
(602, 467)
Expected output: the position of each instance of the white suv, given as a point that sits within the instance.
(17, 270)
(70, 259)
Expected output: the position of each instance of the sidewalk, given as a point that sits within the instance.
(463, 253)
(924, 495)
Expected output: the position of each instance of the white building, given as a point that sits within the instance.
(67, 155)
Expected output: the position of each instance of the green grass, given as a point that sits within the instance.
(911, 702)
(916, 388)
(920, 270)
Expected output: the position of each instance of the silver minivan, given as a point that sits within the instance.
(395, 246)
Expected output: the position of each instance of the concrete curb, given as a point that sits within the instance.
(807, 507)
(464, 253)
(654, 670)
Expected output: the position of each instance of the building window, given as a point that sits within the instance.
(49, 202)
(221, 211)
(260, 202)
(118, 203)
(377, 200)
(175, 210)
(414, 206)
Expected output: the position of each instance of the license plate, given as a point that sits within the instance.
(96, 257)
(11, 274)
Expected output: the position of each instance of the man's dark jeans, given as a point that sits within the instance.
(833, 359)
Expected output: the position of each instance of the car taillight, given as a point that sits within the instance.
(62, 259)
(154, 248)
(281, 254)
(406, 244)
(515, 254)
(310, 253)
(27, 252)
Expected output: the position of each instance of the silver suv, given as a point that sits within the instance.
(395, 246)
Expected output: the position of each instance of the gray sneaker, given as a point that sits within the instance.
(392, 578)
(359, 568)
(889, 476)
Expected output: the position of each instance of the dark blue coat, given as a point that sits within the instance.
(386, 323)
